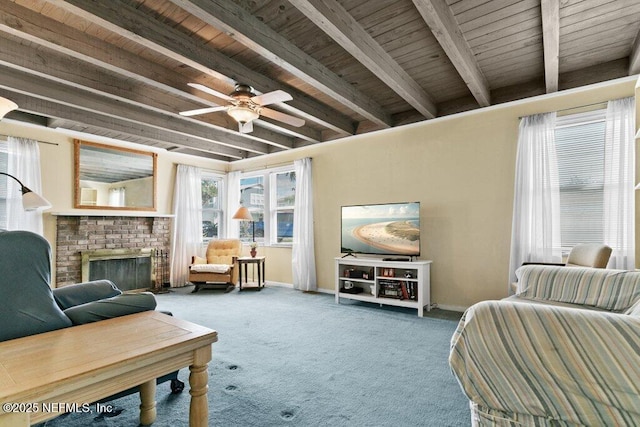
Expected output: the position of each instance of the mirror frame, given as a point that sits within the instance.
(76, 199)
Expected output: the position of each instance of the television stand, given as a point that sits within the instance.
(398, 283)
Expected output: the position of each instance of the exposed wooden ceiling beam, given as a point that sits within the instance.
(45, 89)
(334, 20)
(68, 42)
(80, 75)
(258, 37)
(634, 59)
(131, 23)
(65, 116)
(444, 27)
(551, 40)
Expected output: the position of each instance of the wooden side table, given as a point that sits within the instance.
(243, 263)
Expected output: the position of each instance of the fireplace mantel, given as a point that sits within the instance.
(140, 214)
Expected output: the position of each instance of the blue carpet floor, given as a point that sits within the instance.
(287, 358)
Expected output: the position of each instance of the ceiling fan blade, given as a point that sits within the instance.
(210, 91)
(202, 111)
(245, 127)
(282, 117)
(272, 97)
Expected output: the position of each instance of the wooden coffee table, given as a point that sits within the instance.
(45, 375)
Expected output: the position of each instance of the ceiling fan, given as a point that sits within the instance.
(245, 106)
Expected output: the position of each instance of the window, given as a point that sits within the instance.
(269, 196)
(212, 185)
(580, 152)
(284, 197)
(252, 197)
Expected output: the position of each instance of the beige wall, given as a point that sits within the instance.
(460, 168)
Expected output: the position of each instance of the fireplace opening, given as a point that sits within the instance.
(129, 269)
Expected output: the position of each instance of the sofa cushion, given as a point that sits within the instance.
(612, 290)
(27, 306)
(210, 268)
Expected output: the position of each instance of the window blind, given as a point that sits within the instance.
(580, 151)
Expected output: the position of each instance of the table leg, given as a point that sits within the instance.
(148, 402)
(260, 279)
(198, 378)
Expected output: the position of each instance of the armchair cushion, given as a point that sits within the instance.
(211, 268)
(81, 293)
(116, 306)
(198, 260)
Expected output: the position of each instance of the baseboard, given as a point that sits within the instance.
(279, 284)
(290, 286)
(333, 292)
(451, 307)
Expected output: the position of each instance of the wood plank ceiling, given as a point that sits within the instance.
(121, 68)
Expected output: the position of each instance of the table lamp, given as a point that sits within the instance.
(243, 214)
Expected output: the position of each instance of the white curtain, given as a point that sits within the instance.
(23, 162)
(117, 196)
(303, 254)
(535, 233)
(233, 203)
(187, 223)
(619, 172)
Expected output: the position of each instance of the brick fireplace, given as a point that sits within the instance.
(77, 234)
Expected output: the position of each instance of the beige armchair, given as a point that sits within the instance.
(594, 255)
(220, 265)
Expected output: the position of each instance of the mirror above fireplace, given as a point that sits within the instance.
(110, 177)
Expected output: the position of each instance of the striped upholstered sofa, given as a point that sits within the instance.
(563, 351)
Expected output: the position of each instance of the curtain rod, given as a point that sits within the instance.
(6, 138)
(604, 103)
(270, 166)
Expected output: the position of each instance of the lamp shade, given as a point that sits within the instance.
(32, 201)
(6, 106)
(243, 214)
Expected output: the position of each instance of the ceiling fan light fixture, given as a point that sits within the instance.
(242, 114)
(6, 105)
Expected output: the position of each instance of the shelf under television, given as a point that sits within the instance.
(420, 270)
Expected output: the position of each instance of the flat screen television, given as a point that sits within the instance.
(382, 229)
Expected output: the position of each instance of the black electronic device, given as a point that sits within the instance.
(397, 259)
(391, 229)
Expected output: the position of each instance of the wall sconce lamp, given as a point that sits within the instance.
(30, 200)
(243, 214)
(6, 106)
